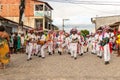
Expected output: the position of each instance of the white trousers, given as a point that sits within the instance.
(30, 47)
(93, 47)
(43, 50)
(85, 48)
(74, 49)
(106, 52)
(68, 47)
(27, 48)
(98, 49)
(90, 47)
(34, 47)
(50, 47)
(38, 47)
(101, 52)
(60, 46)
(82, 48)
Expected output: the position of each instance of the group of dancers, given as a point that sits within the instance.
(73, 43)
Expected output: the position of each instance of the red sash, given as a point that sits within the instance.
(110, 45)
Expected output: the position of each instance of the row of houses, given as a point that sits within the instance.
(37, 15)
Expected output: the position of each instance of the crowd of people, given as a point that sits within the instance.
(38, 43)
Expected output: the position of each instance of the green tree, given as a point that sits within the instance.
(84, 33)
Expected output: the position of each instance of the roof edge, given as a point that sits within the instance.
(43, 2)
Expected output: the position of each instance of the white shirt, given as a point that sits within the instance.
(67, 40)
(81, 38)
(96, 37)
(74, 37)
(93, 39)
(28, 36)
(106, 35)
(43, 37)
(37, 37)
(33, 36)
(61, 38)
(111, 34)
(100, 37)
(112, 39)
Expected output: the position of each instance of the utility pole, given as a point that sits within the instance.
(63, 23)
(21, 13)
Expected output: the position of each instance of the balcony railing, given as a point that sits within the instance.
(39, 13)
(42, 10)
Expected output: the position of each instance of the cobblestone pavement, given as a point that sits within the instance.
(56, 67)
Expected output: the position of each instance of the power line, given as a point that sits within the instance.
(82, 1)
(88, 8)
(88, 2)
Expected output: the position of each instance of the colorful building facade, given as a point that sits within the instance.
(38, 14)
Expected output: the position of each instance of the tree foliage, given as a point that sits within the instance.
(84, 32)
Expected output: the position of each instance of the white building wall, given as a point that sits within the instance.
(106, 20)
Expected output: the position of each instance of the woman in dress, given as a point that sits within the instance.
(19, 42)
(4, 48)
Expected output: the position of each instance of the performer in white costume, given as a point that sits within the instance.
(93, 44)
(38, 46)
(43, 45)
(80, 44)
(49, 40)
(30, 46)
(106, 37)
(67, 43)
(74, 43)
(60, 42)
(97, 49)
(101, 50)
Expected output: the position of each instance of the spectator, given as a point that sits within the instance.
(18, 42)
(15, 43)
(11, 44)
(4, 48)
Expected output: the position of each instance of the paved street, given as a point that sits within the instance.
(87, 67)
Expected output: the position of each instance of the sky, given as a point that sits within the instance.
(80, 14)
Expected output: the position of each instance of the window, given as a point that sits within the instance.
(47, 11)
(38, 7)
(39, 23)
